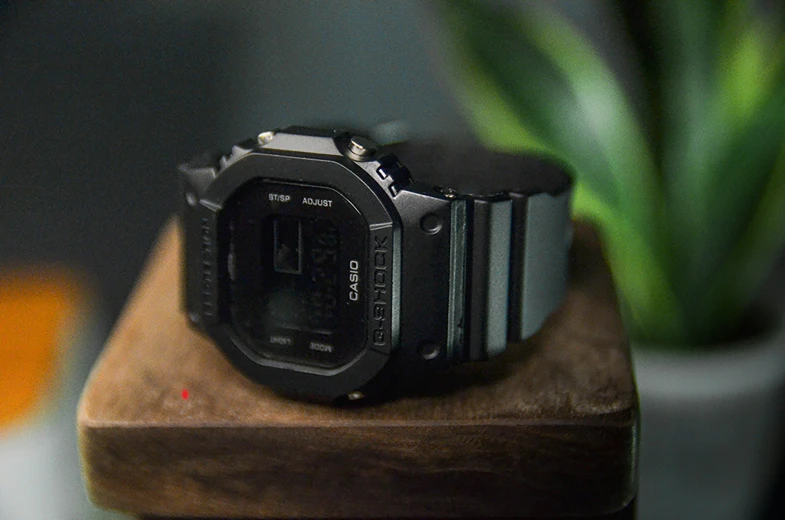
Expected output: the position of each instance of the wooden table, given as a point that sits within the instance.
(547, 430)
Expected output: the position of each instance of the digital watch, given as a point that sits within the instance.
(323, 268)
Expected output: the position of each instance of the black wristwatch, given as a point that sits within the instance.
(325, 266)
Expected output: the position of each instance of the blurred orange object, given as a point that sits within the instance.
(37, 311)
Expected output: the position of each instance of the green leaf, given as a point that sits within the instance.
(723, 128)
(547, 87)
(752, 56)
(688, 43)
(756, 253)
(748, 215)
(494, 120)
(600, 97)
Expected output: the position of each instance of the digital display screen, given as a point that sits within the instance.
(295, 258)
(300, 288)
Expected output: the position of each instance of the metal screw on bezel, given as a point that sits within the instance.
(265, 137)
(362, 147)
(429, 350)
(431, 224)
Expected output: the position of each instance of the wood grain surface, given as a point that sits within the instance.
(548, 429)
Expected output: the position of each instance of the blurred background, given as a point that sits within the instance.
(98, 102)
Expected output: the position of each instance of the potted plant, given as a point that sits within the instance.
(673, 116)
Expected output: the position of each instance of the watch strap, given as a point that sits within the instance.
(518, 233)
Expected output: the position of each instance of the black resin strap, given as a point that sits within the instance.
(518, 232)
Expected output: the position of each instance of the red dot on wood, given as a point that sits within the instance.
(185, 393)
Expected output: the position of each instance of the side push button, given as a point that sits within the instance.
(394, 175)
(395, 188)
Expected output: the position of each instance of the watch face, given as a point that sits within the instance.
(295, 258)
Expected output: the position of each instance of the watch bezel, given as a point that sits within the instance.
(344, 176)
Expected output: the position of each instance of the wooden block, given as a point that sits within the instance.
(548, 429)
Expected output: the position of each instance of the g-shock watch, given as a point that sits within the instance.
(325, 266)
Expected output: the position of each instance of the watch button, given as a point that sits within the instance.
(389, 169)
(395, 170)
(384, 171)
(395, 188)
(402, 176)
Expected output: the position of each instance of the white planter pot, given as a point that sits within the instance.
(711, 429)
